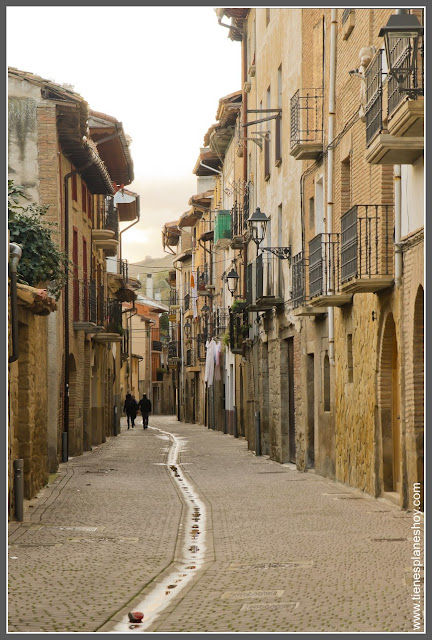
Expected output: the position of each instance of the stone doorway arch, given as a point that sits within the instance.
(389, 409)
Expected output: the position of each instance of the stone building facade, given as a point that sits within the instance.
(338, 386)
(53, 156)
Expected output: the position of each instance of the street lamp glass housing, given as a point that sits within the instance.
(232, 281)
(258, 224)
(187, 329)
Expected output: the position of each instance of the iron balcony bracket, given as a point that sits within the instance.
(284, 253)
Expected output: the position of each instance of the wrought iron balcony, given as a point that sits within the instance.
(394, 117)
(324, 272)
(298, 266)
(111, 220)
(219, 322)
(367, 248)
(202, 280)
(240, 214)
(191, 358)
(269, 290)
(186, 302)
(307, 124)
(201, 348)
(85, 307)
(156, 345)
(173, 298)
(114, 316)
(238, 330)
(174, 353)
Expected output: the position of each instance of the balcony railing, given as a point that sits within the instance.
(156, 345)
(298, 279)
(366, 242)
(111, 221)
(324, 265)
(373, 110)
(201, 348)
(220, 322)
(202, 278)
(92, 302)
(307, 123)
(190, 357)
(401, 53)
(173, 349)
(113, 316)
(173, 297)
(186, 302)
(269, 278)
(238, 330)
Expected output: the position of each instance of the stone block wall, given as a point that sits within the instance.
(413, 363)
(29, 430)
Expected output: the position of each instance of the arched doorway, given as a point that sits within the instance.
(418, 378)
(390, 408)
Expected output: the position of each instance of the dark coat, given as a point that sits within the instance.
(145, 405)
(130, 406)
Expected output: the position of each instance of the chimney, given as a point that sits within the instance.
(149, 287)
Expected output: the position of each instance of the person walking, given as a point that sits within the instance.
(145, 408)
(130, 408)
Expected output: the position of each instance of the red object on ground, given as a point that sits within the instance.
(135, 616)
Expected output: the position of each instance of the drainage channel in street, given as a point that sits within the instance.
(192, 545)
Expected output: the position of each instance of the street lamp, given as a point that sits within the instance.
(400, 30)
(187, 329)
(232, 280)
(257, 224)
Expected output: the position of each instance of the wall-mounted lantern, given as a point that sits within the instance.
(402, 35)
(258, 227)
(232, 280)
(187, 329)
(258, 224)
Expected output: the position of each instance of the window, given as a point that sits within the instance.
(75, 275)
(278, 127)
(267, 142)
(85, 282)
(74, 188)
(350, 358)
(83, 197)
(319, 206)
(326, 381)
(346, 184)
(312, 213)
(89, 206)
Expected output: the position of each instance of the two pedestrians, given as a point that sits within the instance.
(130, 408)
(145, 408)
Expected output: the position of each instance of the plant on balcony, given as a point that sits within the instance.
(42, 264)
(238, 305)
(113, 327)
(225, 338)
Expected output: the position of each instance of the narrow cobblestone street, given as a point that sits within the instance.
(284, 551)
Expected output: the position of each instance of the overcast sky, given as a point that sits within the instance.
(158, 70)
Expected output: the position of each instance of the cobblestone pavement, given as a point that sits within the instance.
(287, 551)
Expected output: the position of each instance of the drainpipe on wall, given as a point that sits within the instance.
(15, 253)
(398, 215)
(330, 165)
